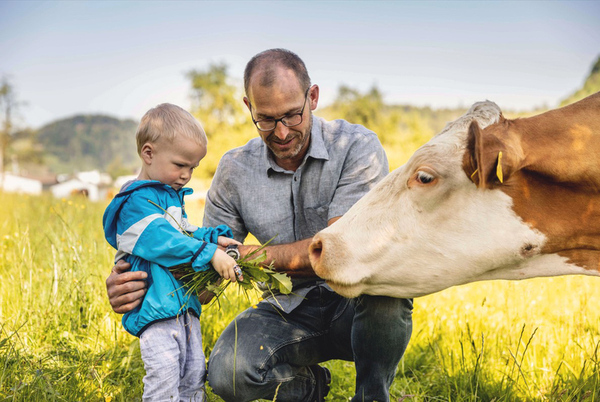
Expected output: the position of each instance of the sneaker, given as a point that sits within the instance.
(323, 379)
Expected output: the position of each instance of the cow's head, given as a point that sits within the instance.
(437, 221)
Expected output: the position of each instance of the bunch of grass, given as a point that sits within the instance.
(253, 270)
(255, 277)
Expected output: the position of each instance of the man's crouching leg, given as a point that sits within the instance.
(252, 358)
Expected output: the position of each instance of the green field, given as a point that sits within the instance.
(535, 340)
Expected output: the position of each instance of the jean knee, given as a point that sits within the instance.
(219, 369)
(224, 374)
(235, 378)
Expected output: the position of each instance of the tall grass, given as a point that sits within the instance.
(534, 340)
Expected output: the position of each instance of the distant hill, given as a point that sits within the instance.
(87, 142)
(590, 86)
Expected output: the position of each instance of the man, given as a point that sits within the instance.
(300, 176)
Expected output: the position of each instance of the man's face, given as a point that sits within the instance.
(284, 99)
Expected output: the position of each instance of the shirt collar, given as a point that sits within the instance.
(316, 148)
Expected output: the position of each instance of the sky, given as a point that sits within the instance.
(121, 58)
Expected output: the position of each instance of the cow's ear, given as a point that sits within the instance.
(469, 162)
(491, 155)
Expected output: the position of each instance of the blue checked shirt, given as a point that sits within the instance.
(250, 193)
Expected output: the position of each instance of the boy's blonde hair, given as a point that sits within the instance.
(167, 121)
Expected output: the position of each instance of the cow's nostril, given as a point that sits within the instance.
(529, 250)
(315, 250)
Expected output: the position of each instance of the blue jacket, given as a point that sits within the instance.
(145, 222)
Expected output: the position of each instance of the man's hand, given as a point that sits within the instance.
(226, 241)
(125, 289)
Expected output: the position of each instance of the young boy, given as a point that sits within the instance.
(146, 222)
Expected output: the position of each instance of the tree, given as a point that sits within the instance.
(365, 109)
(217, 103)
(590, 86)
(7, 105)
(401, 129)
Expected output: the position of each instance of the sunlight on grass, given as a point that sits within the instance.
(59, 340)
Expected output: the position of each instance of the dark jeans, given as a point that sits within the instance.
(263, 347)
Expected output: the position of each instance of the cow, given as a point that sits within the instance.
(487, 198)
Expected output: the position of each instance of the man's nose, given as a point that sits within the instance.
(281, 131)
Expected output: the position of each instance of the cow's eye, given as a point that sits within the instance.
(424, 178)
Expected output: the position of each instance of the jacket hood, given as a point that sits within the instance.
(111, 214)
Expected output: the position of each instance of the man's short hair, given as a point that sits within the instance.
(268, 60)
(167, 121)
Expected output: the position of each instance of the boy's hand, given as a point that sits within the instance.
(226, 266)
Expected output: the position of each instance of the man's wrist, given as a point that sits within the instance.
(233, 251)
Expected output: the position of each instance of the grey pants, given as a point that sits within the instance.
(174, 360)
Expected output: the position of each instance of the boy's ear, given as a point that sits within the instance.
(147, 153)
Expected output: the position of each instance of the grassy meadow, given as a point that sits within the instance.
(534, 340)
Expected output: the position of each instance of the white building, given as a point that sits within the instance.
(95, 177)
(11, 183)
(93, 184)
(75, 186)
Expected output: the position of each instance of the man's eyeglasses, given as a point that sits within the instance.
(288, 120)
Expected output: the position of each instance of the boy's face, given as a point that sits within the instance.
(173, 162)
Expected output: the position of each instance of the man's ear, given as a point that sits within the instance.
(314, 97)
(247, 103)
(147, 153)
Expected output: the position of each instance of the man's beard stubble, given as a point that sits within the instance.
(299, 146)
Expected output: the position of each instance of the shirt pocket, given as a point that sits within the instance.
(316, 218)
